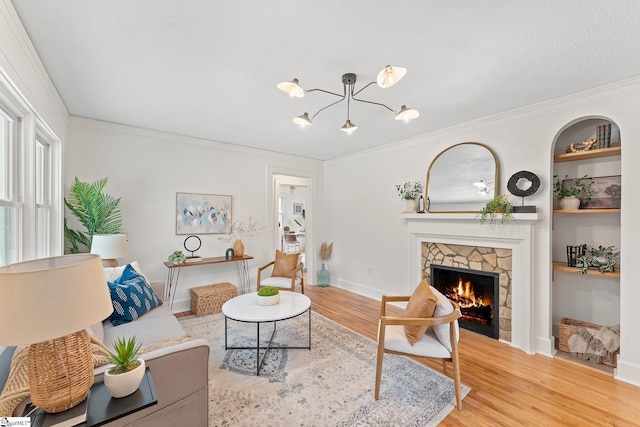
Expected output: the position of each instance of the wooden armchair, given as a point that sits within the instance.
(434, 344)
(286, 273)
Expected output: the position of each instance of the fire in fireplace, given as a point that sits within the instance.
(477, 293)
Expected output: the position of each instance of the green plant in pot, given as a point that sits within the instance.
(268, 295)
(125, 376)
(602, 258)
(499, 205)
(569, 192)
(97, 211)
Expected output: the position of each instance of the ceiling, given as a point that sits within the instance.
(209, 69)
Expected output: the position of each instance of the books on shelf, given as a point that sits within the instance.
(603, 135)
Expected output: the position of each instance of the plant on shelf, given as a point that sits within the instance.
(602, 258)
(575, 189)
(126, 374)
(177, 257)
(409, 190)
(98, 212)
(498, 205)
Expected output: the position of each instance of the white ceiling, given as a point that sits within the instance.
(209, 69)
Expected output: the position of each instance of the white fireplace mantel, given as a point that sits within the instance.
(466, 229)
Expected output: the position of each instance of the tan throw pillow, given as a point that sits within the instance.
(285, 264)
(421, 304)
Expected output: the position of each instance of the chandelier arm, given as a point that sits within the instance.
(354, 94)
(333, 103)
(325, 91)
(376, 103)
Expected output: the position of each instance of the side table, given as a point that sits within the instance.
(99, 407)
(242, 270)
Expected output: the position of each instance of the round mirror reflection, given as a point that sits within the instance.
(462, 178)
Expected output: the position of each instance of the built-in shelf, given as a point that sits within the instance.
(590, 154)
(466, 216)
(585, 211)
(562, 266)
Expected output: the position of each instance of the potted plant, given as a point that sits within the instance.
(177, 257)
(268, 295)
(323, 273)
(98, 212)
(499, 205)
(409, 192)
(125, 376)
(569, 191)
(602, 258)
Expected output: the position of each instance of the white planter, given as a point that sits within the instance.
(122, 385)
(270, 300)
(411, 206)
(570, 204)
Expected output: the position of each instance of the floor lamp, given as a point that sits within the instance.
(47, 304)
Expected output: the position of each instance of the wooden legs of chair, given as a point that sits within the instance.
(379, 359)
(456, 375)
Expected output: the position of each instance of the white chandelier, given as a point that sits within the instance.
(386, 78)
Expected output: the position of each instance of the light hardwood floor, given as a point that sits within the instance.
(508, 386)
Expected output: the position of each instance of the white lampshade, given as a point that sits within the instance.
(49, 298)
(390, 76)
(349, 127)
(292, 88)
(303, 120)
(407, 114)
(109, 246)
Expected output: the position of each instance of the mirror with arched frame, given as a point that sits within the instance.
(462, 178)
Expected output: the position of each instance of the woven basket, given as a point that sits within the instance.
(568, 327)
(206, 300)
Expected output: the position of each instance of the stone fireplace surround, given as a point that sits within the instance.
(518, 237)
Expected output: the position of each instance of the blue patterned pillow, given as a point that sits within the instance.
(131, 296)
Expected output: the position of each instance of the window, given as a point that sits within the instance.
(30, 197)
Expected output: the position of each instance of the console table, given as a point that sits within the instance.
(242, 270)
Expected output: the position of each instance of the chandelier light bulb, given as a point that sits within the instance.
(349, 127)
(407, 114)
(292, 88)
(303, 120)
(390, 76)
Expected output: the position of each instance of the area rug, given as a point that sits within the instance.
(330, 385)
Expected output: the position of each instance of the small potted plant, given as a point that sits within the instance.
(499, 205)
(409, 192)
(602, 258)
(569, 192)
(177, 257)
(268, 295)
(125, 376)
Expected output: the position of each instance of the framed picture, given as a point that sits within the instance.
(605, 193)
(297, 208)
(203, 213)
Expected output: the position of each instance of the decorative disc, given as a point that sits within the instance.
(523, 184)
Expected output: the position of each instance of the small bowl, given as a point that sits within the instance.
(270, 300)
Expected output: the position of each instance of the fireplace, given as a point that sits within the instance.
(477, 294)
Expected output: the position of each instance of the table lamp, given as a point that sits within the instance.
(47, 303)
(109, 247)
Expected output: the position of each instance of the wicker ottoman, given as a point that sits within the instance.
(208, 299)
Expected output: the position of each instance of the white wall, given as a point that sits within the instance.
(372, 244)
(146, 169)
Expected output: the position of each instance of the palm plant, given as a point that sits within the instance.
(125, 355)
(98, 212)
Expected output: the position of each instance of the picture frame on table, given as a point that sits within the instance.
(198, 213)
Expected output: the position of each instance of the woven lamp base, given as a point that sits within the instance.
(60, 371)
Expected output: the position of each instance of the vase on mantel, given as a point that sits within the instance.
(323, 276)
(411, 206)
(238, 248)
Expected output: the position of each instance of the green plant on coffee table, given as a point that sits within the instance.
(268, 291)
(574, 187)
(125, 355)
(498, 205)
(177, 257)
(602, 258)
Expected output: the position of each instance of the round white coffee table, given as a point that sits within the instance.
(244, 308)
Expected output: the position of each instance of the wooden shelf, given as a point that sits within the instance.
(590, 154)
(562, 266)
(585, 211)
